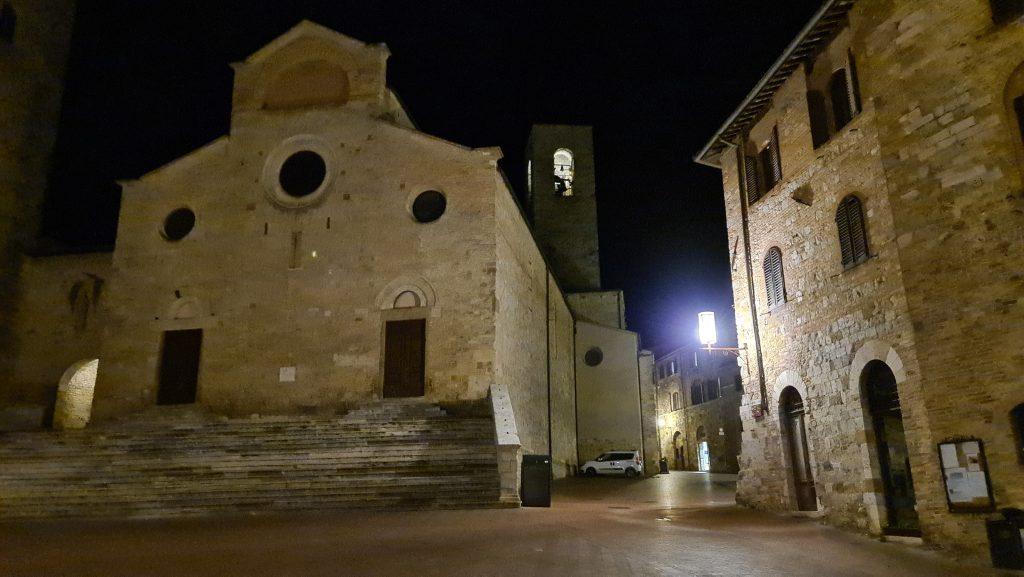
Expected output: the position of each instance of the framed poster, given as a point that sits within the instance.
(965, 473)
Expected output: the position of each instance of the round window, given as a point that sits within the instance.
(593, 357)
(179, 223)
(429, 206)
(302, 174)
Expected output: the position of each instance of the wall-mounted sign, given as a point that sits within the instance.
(965, 473)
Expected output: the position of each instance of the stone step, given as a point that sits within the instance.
(404, 455)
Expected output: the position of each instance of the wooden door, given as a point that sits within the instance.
(799, 457)
(179, 367)
(404, 348)
(892, 450)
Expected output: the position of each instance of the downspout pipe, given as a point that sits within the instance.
(745, 218)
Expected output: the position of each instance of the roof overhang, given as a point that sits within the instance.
(822, 28)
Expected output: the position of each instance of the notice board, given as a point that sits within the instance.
(965, 473)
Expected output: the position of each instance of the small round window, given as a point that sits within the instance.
(429, 206)
(593, 357)
(302, 174)
(178, 224)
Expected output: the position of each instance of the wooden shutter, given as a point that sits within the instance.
(839, 92)
(775, 284)
(753, 179)
(775, 157)
(853, 83)
(853, 238)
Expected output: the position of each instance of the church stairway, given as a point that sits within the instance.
(388, 455)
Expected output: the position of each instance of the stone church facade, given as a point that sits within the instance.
(326, 254)
(873, 188)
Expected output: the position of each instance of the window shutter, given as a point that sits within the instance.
(839, 92)
(753, 179)
(773, 277)
(858, 233)
(775, 157)
(853, 83)
(845, 243)
(853, 238)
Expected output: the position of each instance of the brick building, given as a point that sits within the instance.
(873, 184)
(699, 395)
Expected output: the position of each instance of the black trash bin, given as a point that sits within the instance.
(1006, 540)
(536, 487)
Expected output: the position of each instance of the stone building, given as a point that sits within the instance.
(699, 394)
(35, 38)
(326, 254)
(873, 189)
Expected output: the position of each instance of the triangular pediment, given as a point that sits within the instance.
(309, 30)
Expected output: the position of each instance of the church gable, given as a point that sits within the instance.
(311, 67)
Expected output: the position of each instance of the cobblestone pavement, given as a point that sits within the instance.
(681, 524)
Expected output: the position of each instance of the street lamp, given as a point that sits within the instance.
(708, 332)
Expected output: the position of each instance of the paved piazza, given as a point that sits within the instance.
(681, 524)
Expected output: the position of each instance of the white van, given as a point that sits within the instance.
(626, 463)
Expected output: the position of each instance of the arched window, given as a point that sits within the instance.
(839, 92)
(676, 402)
(1006, 10)
(818, 111)
(1017, 421)
(774, 281)
(853, 238)
(565, 171)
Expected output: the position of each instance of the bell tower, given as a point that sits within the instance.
(563, 203)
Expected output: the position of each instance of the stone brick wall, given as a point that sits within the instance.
(716, 421)
(58, 323)
(935, 159)
(606, 308)
(32, 75)
(562, 370)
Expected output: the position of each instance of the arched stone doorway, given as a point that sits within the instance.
(677, 449)
(74, 395)
(882, 400)
(703, 451)
(794, 430)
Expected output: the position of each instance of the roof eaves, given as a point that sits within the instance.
(820, 28)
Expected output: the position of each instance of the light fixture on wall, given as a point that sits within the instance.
(708, 332)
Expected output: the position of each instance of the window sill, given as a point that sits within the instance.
(857, 264)
(851, 126)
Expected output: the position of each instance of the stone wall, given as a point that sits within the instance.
(59, 322)
(32, 75)
(716, 421)
(935, 159)
(607, 391)
(606, 308)
(562, 371)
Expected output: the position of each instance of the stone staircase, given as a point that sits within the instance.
(385, 455)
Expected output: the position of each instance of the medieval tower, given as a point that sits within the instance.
(563, 204)
(35, 38)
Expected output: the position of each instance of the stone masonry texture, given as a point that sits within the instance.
(936, 159)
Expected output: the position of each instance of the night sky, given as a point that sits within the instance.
(149, 82)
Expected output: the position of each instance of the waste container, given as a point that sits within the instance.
(536, 482)
(1006, 539)
(663, 463)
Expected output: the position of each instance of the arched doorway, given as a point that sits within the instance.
(74, 395)
(677, 449)
(703, 451)
(795, 432)
(878, 386)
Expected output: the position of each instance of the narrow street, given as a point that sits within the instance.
(680, 524)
